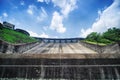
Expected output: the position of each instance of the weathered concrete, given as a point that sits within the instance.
(61, 69)
(63, 48)
(15, 48)
(62, 56)
(112, 48)
(81, 65)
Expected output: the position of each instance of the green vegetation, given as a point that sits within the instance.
(112, 35)
(91, 42)
(12, 36)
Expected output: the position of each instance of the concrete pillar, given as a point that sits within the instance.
(77, 40)
(42, 72)
(90, 73)
(102, 73)
(65, 41)
(117, 73)
(48, 41)
(60, 41)
(44, 41)
(54, 41)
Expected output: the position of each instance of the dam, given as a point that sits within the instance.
(60, 59)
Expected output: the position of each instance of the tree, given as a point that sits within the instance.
(112, 34)
(94, 36)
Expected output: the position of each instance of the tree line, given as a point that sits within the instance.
(110, 36)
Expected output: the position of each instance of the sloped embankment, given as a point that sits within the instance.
(15, 37)
(111, 48)
(15, 42)
(15, 48)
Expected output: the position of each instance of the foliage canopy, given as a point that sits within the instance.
(110, 36)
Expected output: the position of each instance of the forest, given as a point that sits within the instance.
(112, 35)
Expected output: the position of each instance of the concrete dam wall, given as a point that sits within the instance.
(57, 48)
(15, 48)
(60, 69)
(112, 48)
(67, 63)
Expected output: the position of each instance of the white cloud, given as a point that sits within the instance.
(84, 33)
(0, 19)
(31, 9)
(33, 34)
(39, 14)
(22, 3)
(47, 1)
(43, 14)
(40, 0)
(66, 5)
(5, 14)
(107, 18)
(43, 35)
(45, 28)
(43, 11)
(56, 23)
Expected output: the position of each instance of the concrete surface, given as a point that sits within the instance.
(59, 69)
(54, 48)
(111, 48)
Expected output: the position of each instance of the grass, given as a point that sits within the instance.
(12, 36)
(90, 42)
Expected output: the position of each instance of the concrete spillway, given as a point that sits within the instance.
(60, 48)
(60, 61)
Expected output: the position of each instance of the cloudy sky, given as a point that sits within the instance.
(61, 18)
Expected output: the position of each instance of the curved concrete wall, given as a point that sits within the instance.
(112, 48)
(15, 48)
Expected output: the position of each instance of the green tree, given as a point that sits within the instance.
(112, 34)
(94, 36)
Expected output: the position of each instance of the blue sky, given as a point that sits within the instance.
(61, 18)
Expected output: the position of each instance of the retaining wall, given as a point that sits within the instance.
(15, 48)
(112, 48)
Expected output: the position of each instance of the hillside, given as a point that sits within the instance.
(12, 36)
(112, 35)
